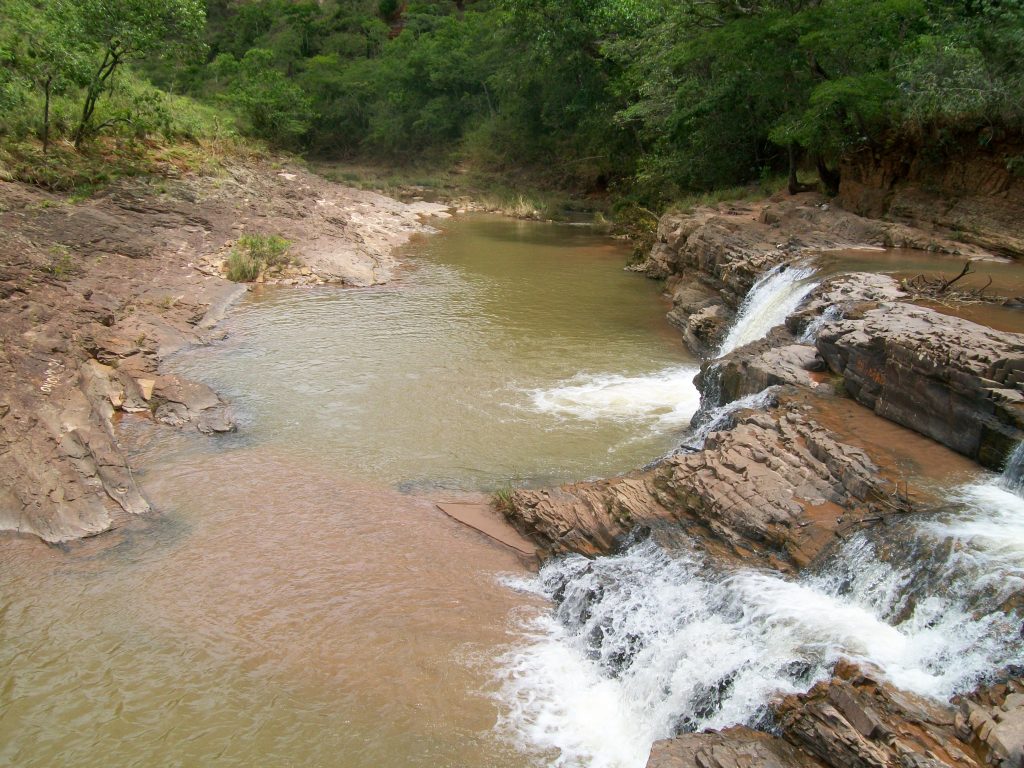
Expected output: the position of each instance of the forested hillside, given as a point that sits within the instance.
(653, 98)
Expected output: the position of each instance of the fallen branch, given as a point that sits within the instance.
(963, 272)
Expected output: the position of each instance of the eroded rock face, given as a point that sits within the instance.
(855, 720)
(969, 188)
(775, 487)
(952, 380)
(991, 720)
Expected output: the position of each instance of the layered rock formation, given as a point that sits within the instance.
(955, 381)
(94, 294)
(775, 488)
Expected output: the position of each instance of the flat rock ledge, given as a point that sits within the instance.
(955, 381)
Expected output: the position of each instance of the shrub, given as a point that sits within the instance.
(254, 254)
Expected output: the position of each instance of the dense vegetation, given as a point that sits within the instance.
(651, 97)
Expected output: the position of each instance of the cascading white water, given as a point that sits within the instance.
(650, 643)
(831, 314)
(772, 299)
(667, 398)
(1013, 473)
(707, 422)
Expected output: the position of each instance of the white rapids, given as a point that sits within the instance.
(650, 643)
(666, 398)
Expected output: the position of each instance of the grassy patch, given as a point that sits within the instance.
(746, 193)
(254, 254)
(502, 499)
(80, 174)
(62, 265)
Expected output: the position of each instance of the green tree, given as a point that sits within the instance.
(127, 30)
(275, 107)
(45, 45)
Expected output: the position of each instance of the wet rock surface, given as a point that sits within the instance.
(856, 720)
(776, 489)
(94, 294)
(773, 489)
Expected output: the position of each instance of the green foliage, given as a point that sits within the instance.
(122, 31)
(649, 100)
(254, 254)
(274, 107)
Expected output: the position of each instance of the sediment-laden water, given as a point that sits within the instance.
(299, 600)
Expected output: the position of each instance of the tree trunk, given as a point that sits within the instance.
(87, 109)
(795, 187)
(110, 61)
(829, 178)
(46, 114)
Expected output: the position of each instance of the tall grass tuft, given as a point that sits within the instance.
(254, 254)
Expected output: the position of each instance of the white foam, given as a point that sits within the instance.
(667, 398)
(774, 297)
(719, 417)
(830, 315)
(987, 537)
(644, 644)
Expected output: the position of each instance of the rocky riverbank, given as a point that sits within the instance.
(776, 480)
(95, 293)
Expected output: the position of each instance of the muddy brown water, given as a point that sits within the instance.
(299, 600)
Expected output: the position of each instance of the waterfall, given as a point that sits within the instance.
(831, 314)
(775, 296)
(651, 643)
(1013, 473)
(706, 422)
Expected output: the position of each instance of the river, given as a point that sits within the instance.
(299, 600)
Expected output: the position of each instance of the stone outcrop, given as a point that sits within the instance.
(991, 720)
(711, 257)
(952, 380)
(774, 488)
(856, 721)
(737, 747)
(95, 294)
(778, 359)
